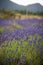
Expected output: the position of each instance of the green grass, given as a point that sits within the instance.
(17, 25)
(1, 29)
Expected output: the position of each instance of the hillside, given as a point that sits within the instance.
(7, 4)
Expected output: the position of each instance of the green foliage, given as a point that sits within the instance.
(15, 50)
(29, 12)
(7, 14)
(12, 14)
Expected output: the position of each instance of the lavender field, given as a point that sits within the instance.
(21, 42)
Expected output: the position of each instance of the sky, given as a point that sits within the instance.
(27, 2)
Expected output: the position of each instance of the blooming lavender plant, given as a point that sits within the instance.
(25, 43)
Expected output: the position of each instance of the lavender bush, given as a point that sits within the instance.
(21, 42)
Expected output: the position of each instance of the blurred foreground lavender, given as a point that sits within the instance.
(21, 42)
